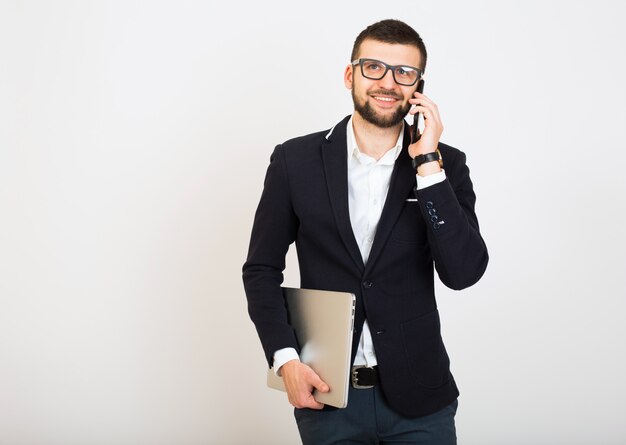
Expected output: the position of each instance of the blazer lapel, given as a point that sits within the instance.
(335, 159)
(400, 187)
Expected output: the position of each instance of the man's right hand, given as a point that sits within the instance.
(300, 380)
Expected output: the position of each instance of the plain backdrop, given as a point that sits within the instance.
(134, 139)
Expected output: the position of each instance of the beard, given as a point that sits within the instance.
(367, 112)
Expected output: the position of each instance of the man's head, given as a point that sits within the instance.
(391, 31)
(384, 102)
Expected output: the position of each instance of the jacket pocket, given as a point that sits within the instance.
(425, 353)
(410, 227)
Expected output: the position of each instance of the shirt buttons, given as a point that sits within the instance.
(367, 284)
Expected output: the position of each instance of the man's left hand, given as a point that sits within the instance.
(433, 127)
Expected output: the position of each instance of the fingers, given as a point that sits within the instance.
(300, 381)
(319, 384)
(420, 96)
(420, 99)
(432, 120)
(433, 127)
(424, 105)
(426, 112)
(304, 400)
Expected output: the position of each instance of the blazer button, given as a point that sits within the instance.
(429, 204)
(434, 218)
(431, 212)
(367, 284)
(436, 225)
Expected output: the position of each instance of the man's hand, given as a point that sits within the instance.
(433, 127)
(300, 380)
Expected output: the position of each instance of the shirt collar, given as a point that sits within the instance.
(388, 158)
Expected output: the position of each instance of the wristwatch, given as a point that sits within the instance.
(428, 157)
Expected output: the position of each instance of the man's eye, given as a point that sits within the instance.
(405, 71)
(373, 66)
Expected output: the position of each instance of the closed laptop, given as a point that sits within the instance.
(323, 322)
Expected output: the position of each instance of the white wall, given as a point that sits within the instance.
(134, 138)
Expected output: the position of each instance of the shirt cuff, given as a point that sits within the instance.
(427, 181)
(282, 356)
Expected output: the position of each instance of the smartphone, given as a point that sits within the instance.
(415, 133)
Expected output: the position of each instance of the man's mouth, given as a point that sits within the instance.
(385, 98)
(384, 101)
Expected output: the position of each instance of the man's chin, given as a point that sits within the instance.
(382, 121)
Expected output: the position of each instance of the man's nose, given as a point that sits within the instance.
(387, 81)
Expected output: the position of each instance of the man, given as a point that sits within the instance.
(371, 213)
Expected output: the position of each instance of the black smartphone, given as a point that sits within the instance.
(415, 133)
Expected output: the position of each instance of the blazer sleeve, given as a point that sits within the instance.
(274, 229)
(458, 249)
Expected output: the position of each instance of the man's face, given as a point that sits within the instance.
(382, 102)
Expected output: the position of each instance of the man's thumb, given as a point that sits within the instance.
(320, 385)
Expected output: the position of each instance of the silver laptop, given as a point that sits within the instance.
(323, 322)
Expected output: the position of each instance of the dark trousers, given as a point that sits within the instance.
(368, 420)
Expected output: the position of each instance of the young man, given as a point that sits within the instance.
(371, 213)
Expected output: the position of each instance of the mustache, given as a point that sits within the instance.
(389, 93)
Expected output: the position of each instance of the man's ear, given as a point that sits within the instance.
(347, 76)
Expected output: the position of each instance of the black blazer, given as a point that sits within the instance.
(305, 199)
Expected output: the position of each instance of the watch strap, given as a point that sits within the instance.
(424, 158)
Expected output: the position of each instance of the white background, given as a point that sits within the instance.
(134, 138)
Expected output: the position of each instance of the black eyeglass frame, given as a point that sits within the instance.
(387, 68)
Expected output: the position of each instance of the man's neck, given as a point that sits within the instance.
(372, 140)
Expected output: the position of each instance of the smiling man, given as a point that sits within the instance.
(372, 213)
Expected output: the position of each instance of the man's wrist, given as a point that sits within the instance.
(428, 168)
(283, 356)
(427, 181)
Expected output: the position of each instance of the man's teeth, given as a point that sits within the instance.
(386, 99)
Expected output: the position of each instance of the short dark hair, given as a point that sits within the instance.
(391, 31)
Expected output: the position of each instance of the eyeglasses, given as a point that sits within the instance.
(376, 70)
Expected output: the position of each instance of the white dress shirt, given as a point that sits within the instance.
(368, 184)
